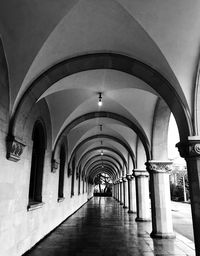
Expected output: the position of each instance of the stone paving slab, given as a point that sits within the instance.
(103, 228)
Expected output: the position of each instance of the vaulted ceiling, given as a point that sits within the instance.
(163, 35)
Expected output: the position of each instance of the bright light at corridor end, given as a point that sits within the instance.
(100, 100)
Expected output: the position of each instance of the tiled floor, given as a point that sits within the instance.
(103, 228)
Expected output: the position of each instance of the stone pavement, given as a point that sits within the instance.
(103, 228)
(182, 219)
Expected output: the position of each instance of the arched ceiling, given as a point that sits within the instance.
(102, 159)
(102, 139)
(161, 34)
(108, 155)
(117, 93)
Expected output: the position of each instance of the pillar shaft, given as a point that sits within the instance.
(131, 194)
(142, 195)
(114, 190)
(160, 199)
(121, 192)
(191, 152)
(125, 193)
(118, 191)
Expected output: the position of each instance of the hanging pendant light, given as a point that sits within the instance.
(100, 100)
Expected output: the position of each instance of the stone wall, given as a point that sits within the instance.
(20, 229)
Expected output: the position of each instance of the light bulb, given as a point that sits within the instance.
(100, 100)
(100, 103)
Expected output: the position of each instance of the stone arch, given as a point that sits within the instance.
(140, 155)
(55, 160)
(196, 105)
(4, 85)
(98, 166)
(160, 130)
(135, 126)
(104, 148)
(175, 99)
(4, 96)
(96, 171)
(106, 163)
(105, 155)
(125, 145)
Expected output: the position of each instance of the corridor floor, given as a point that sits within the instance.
(103, 228)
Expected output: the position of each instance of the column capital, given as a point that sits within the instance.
(129, 176)
(139, 173)
(14, 148)
(191, 148)
(158, 166)
(54, 165)
(124, 179)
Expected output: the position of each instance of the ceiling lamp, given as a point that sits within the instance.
(100, 126)
(101, 152)
(100, 100)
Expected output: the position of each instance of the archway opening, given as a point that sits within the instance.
(179, 185)
(103, 184)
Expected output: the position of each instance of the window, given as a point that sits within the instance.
(73, 174)
(37, 164)
(61, 174)
(79, 183)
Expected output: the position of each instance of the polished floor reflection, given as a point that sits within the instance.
(103, 228)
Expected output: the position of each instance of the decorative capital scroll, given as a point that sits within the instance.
(191, 148)
(14, 148)
(54, 165)
(158, 166)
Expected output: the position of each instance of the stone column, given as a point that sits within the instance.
(118, 191)
(114, 190)
(131, 194)
(142, 195)
(160, 199)
(125, 192)
(191, 152)
(121, 191)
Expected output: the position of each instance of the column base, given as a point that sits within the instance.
(125, 207)
(163, 235)
(142, 219)
(129, 211)
(121, 203)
